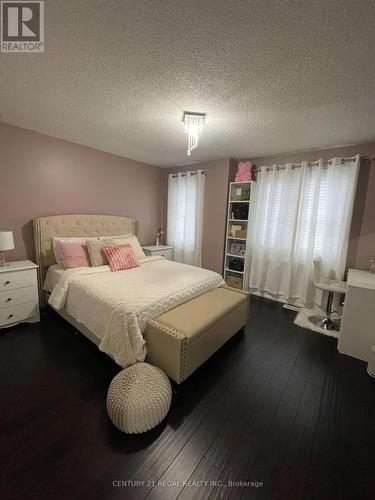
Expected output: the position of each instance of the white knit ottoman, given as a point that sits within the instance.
(138, 398)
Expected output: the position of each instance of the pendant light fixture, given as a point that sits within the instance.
(193, 128)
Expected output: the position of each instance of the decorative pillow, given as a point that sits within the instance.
(94, 248)
(56, 247)
(120, 257)
(133, 242)
(72, 254)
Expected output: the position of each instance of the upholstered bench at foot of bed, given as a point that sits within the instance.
(180, 340)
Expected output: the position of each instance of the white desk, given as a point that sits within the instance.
(357, 332)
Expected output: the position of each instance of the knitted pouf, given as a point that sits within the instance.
(138, 398)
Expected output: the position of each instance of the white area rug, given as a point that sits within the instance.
(302, 319)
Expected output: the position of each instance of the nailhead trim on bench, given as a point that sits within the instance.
(181, 337)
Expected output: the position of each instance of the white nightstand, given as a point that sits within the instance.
(19, 300)
(162, 250)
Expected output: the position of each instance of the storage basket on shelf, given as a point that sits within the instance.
(240, 211)
(240, 193)
(236, 264)
(233, 281)
(237, 247)
(240, 233)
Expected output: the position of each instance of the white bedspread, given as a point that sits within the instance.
(116, 306)
(53, 275)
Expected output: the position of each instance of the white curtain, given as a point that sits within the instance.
(185, 216)
(302, 212)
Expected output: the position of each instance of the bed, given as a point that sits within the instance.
(113, 309)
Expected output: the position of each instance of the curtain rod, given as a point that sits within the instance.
(204, 172)
(315, 163)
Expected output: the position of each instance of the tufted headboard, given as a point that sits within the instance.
(73, 225)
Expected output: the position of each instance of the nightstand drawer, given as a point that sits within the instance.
(162, 250)
(17, 296)
(163, 253)
(16, 279)
(14, 314)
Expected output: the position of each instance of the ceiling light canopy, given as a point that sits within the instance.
(193, 127)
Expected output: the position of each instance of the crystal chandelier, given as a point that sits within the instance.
(193, 127)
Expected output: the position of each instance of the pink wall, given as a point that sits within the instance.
(362, 234)
(215, 210)
(40, 176)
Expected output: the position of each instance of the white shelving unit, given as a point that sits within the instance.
(245, 193)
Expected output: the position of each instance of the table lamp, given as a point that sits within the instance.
(6, 243)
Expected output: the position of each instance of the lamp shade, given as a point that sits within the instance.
(6, 240)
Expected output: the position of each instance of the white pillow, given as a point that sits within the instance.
(133, 242)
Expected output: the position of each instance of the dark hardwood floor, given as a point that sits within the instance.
(276, 407)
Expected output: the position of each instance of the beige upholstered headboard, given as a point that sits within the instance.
(73, 225)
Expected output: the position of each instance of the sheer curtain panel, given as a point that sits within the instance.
(303, 211)
(185, 216)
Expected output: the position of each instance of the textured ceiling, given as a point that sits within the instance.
(272, 76)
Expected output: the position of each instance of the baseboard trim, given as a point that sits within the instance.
(291, 307)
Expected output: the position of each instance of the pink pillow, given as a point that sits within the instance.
(120, 257)
(73, 254)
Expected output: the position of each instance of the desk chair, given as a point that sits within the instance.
(331, 286)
